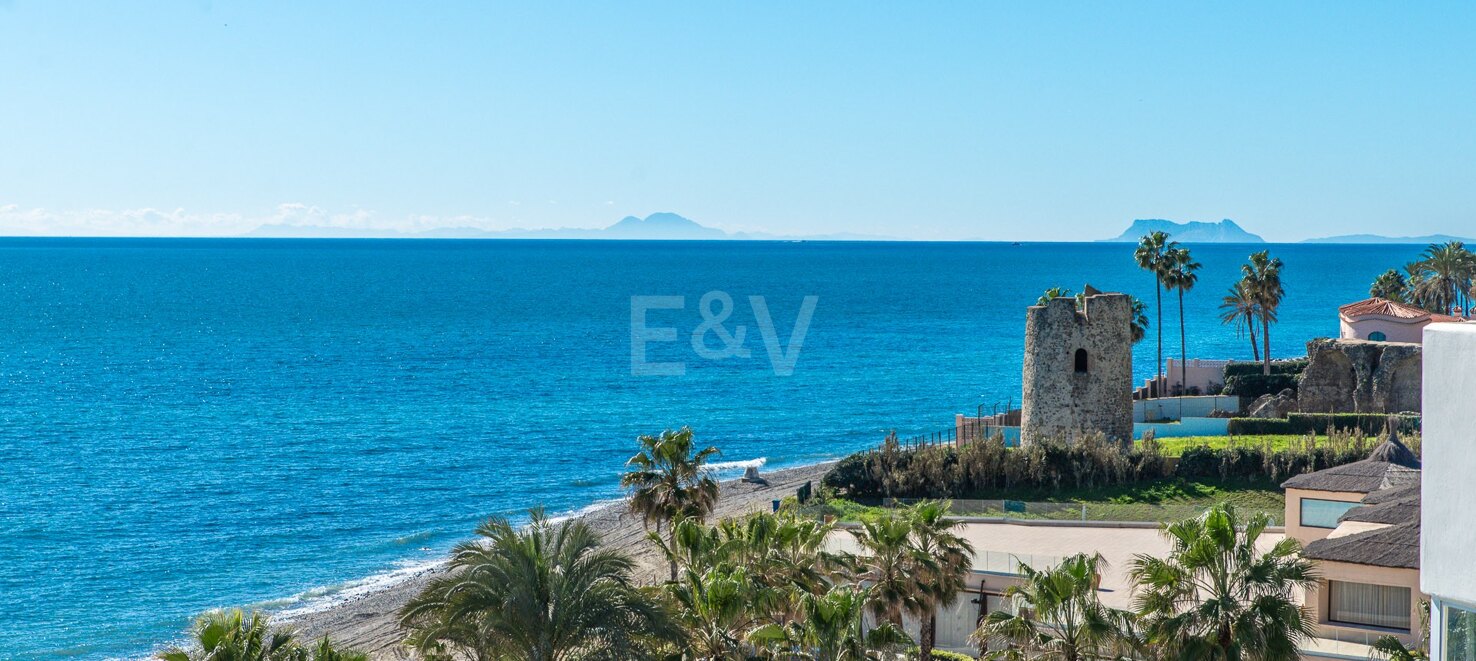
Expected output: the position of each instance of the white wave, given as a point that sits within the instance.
(322, 598)
(587, 509)
(723, 466)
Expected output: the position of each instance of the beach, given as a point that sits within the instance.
(368, 622)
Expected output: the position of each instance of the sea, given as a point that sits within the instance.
(188, 424)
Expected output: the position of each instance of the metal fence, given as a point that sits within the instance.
(1100, 512)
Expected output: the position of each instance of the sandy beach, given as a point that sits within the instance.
(368, 622)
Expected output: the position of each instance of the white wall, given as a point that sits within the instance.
(1447, 538)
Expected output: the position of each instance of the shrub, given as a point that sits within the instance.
(940, 655)
(1293, 367)
(1370, 424)
(1258, 426)
(1255, 385)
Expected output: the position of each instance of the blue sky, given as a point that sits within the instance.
(923, 120)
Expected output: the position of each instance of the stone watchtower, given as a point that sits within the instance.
(1078, 373)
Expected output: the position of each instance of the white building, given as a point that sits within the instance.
(1383, 320)
(1448, 543)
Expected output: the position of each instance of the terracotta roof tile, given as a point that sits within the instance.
(1388, 308)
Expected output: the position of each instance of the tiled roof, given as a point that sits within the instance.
(1388, 308)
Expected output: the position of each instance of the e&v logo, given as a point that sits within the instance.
(715, 307)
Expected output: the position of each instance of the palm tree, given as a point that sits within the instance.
(1218, 597)
(1447, 270)
(1261, 278)
(888, 566)
(1058, 614)
(1179, 275)
(1150, 255)
(832, 627)
(1239, 307)
(545, 592)
(667, 480)
(1390, 285)
(1140, 320)
(235, 636)
(947, 559)
(717, 609)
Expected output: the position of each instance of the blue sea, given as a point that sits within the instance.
(188, 424)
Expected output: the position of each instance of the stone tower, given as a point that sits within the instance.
(1078, 373)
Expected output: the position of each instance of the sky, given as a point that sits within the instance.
(939, 121)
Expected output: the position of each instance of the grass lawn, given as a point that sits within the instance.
(1174, 447)
(1163, 500)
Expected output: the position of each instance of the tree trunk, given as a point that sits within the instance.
(1255, 348)
(1183, 357)
(925, 638)
(671, 544)
(1158, 295)
(1266, 344)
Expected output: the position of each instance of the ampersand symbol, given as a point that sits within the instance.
(712, 322)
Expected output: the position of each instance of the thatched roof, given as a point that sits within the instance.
(1391, 464)
(1392, 512)
(1411, 490)
(1394, 546)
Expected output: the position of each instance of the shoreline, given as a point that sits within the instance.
(363, 617)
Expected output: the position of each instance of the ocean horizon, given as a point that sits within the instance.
(199, 423)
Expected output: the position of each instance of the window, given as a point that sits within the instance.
(1369, 605)
(1323, 513)
(1378, 336)
(1081, 361)
(1460, 634)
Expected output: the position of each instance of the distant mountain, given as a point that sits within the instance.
(1225, 231)
(1375, 238)
(657, 226)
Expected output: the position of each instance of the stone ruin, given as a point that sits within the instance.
(1078, 369)
(1359, 376)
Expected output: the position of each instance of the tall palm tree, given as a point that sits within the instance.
(1150, 255)
(1057, 615)
(1239, 307)
(1218, 597)
(888, 565)
(668, 480)
(544, 592)
(832, 627)
(1390, 285)
(1179, 275)
(1262, 279)
(948, 558)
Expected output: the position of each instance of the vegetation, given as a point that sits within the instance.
(540, 593)
(1057, 614)
(233, 635)
(1443, 278)
(1324, 423)
(1239, 307)
(1179, 274)
(1217, 596)
(1139, 315)
(1152, 256)
(667, 480)
(1261, 278)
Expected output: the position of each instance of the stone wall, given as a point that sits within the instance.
(1357, 376)
(1064, 402)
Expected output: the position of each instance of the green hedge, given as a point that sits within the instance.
(1371, 424)
(1293, 367)
(940, 655)
(1255, 385)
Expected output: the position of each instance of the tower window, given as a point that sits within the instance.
(1081, 361)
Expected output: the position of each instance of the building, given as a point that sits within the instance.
(1078, 368)
(1383, 320)
(1448, 547)
(1361, 523)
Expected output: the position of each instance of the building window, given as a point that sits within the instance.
(1384, 606)
(1459, 636)
(1323, 513)
(1081, 361)
(1378, 336)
